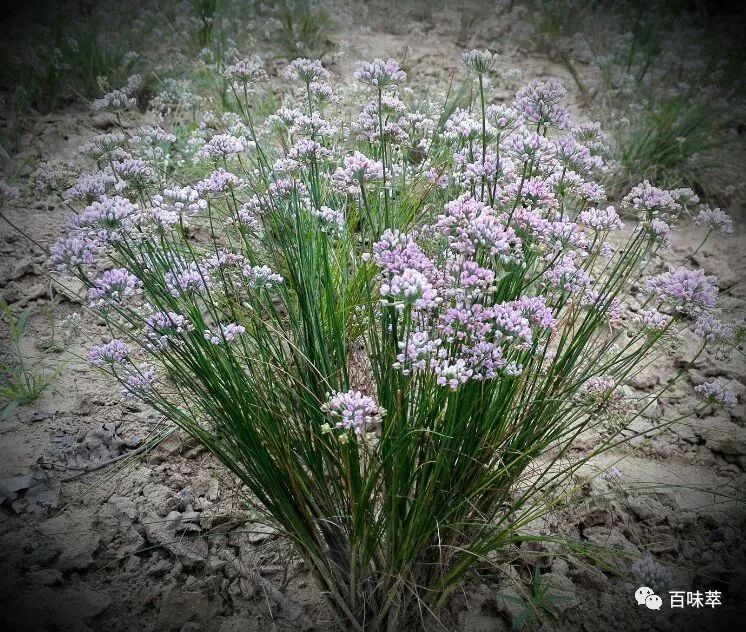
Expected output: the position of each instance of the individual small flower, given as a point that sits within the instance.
(687, 291)
(228, 333)
(380, 74)
(600, 220)
(354, 410)
(261, 277)
(480, 61)
(710, 329)
(540, 103)
(306, 70)
(246, 71)
(114, 287)
(113, 352)
(715, 219)
(716, 391)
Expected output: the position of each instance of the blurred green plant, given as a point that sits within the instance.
(304, 29)
(20, 384)
(540, 605)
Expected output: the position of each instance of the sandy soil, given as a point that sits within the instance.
(161, 541)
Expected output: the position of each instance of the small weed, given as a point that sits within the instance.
(539, 606)
(304, 29)
(20, 384)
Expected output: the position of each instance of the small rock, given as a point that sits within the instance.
(134, 442)
(44, 577)
(721, 435)
(53, 609)
(237, 624)
(260, 532)
(189, 550)
(102, 122)
(561, 587)
(509, 603)
(9, 487)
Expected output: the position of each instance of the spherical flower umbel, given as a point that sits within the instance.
(380, 74)
(653, 321)
(411, 287)
(601, 220)
(162, 328)
(716, 391)
(358, 170)
(114, 287)
(218, 183)
(686, 291)
(113, 352)
(710, 329)
(540, 103)
(649, 572)
(261, 277)
(715, 219)
(480, 61)
(106, 219)
(650, 201)
(139, 381)
(114, 101)
(246, 71)
(306, 70)
(222, 146)
(228, 332)
(353, 410)
(74, 250)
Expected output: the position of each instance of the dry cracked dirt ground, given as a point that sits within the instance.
(96, 534)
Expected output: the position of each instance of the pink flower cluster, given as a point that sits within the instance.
(353, 410)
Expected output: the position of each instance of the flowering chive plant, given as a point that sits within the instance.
(380, 346)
